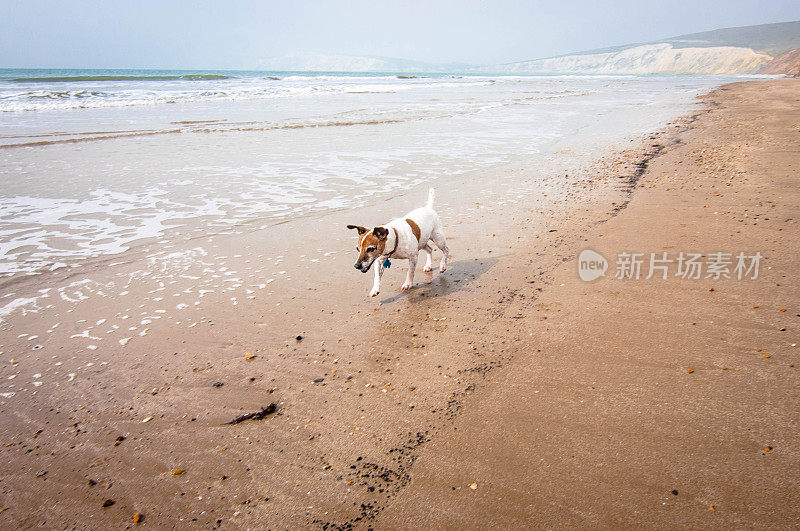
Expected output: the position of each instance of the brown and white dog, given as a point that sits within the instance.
(401, 238)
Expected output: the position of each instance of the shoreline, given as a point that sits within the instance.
(243, 163)
(399, 373)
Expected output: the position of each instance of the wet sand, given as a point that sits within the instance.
(564, 403)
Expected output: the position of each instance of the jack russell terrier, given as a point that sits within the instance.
(401, 238)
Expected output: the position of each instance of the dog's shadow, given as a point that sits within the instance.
(458, 277)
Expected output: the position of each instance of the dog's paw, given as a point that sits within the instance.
(405, 287)
(427, 269)
(442, 269)
(373, 292)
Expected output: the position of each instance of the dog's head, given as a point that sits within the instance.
(371, 243)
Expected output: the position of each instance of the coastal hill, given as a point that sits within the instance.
(761, 49)
(742, 50)
(316, 62)
(770, 39)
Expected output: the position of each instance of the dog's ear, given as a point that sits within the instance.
(361, 230)
(380, 232)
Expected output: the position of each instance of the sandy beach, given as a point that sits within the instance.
(649, 403)
(505, 392)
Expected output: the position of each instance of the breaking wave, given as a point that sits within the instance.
(76, 79)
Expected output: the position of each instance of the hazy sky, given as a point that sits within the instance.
(237, 34)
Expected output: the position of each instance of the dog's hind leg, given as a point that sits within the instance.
(429, 259)
(438, 238)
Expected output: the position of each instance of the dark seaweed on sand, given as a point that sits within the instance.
(257, 415)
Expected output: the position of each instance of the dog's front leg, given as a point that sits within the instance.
(376, 286)
(412, 265)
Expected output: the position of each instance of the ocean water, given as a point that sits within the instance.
(95, 163)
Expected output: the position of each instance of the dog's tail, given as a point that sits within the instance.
(431, 197)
